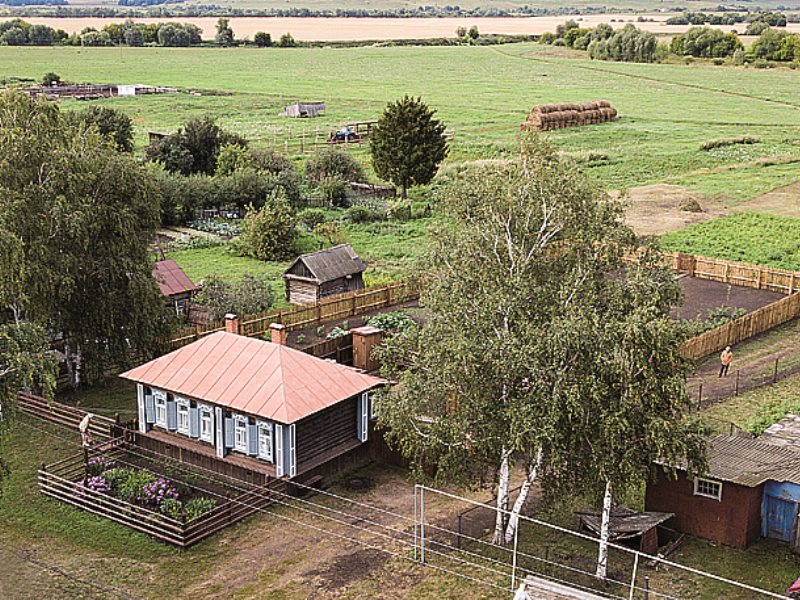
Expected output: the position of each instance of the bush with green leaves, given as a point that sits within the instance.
(311, 217)
(706, 42)
(331, 233)
(172, 508)
(251, 294)
(114, 125)
(197, 506)
(628, 44)
(721, 142)
(270, 232)
(333, 162)
(363, 214)
(334, 192)
(392, 321)
(132, 488)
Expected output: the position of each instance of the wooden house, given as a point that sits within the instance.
(174, 285)
(751, 489)
(332, 271)
(273, 409)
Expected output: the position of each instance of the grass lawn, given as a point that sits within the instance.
(666, 111)
(755, 238)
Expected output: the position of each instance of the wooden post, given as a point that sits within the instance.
(458, 535)
(775, 374)
(760, 271)
(646, 587)
(736, 391)
(699, 397)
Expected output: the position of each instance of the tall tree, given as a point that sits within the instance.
(516, 281)
(224, 35)
(408, 143)
(113, 125)
(84, 214)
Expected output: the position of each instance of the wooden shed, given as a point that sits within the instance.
(743, 495)
(303, 109)
(174, 285)
(286, 412)
(332, 271)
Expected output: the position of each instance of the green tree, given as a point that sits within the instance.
(85, 215)
(332, 162)
(473, 32)
(270, 233)
(231, 158)
(500, 371)
(408, 144)
(262, 39)
(51, 78)
(286, 41)
(114, 125)
(252, 294)
(224, 35)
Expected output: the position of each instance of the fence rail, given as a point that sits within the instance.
(337, 307)
(62, 414)
(743, 328)
(735, 273)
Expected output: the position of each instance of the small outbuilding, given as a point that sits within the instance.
(626, 525)
(174, 285)
(751, 489)
(328, 272)
(303, 109)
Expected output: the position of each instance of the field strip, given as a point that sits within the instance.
(692, 86)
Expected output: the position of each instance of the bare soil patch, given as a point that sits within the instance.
(655, 209)
(703, 295)
(782, 201)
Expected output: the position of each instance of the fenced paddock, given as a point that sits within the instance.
(342, 306)
(734, 273)
(64, 415)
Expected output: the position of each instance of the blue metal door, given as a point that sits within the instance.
(780, 515)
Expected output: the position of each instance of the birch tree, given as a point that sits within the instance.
(481, 386)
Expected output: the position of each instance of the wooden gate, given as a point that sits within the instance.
(779, 518)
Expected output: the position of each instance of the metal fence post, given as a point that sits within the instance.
(633, 576)
(422, 523)
(416, 488)
(514, 558)
(646, 587)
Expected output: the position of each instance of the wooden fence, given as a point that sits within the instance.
(749, 325)
(334, 308)
(63, 414)
(735, 273)
(62, 481)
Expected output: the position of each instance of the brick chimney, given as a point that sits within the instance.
(231, 323)
(277, 333)
(364, 340)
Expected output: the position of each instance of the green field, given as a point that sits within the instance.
(749, 237)
(484, 93)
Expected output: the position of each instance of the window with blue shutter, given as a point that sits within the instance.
(220, 445)
(252, 440)
(229, 432)
(264, 440)
(149, 409)
(172, 415)
(292, 457)
(140, 407)
(278, 450)
(362, 417)
(194, 422)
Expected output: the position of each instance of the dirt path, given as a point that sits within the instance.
(754, 360)
(783, 201)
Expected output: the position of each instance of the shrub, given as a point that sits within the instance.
(155, 492)
(173, 508)
(198, 506)
(311, 217)
(392, 321)
(262, 39)
(96, 484)
(132, 488)
(400, 211)
(116, 477)
(362, 214)
(334, 191)
(270, 233)
(547, 38)
(420, 210)
(332, 162)
(720, 142)
(98, 465)
(287, 41)
(331, 232)
(252, 294)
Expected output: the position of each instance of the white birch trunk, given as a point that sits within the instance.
(513, 520)
(502, 500)
(602, 554)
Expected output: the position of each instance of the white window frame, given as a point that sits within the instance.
(206, 411)
(160, 404)
(265, 431)
(700, 482)
(183, 408)
(240, 427)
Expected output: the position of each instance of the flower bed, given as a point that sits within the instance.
(143, 488)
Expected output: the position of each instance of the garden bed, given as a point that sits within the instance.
(126, 487)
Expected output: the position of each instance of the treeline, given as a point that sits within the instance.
(33, 2)
(17, 32)
(603, 42)
(773, 19)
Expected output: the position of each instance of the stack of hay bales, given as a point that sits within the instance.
(545, 117)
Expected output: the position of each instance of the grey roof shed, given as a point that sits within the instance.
(327, 265)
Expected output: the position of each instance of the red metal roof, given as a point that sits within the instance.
(253, 376)
(171, 279)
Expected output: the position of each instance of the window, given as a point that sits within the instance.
(206, 424)
(240, 434)
(183, 415)
(160, 399)
(265, 441)
(708, 488)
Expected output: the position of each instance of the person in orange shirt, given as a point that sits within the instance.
(725, 361)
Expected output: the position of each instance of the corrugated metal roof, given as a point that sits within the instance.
(750, 462)
(332, 263)
(171, 279)
(785, 432)
(253, 376)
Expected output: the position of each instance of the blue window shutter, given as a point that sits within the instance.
(228, 433)
(252, 440)
(194, 422)
(278, 443)
(149, 409)
(172, 415)
(219, 437)
(292, 457)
